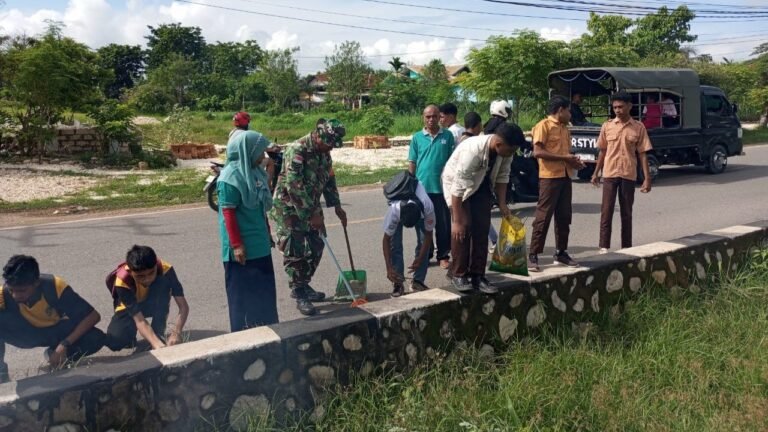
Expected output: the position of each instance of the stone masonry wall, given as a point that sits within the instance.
(285, 367)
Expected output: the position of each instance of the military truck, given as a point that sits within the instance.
(688, 123)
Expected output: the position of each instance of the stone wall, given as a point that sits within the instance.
(80, 140)
(284, 368)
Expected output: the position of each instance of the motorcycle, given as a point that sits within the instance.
(523, 186)
(209, 189)
(210, 185)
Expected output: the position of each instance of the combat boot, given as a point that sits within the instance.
(311, 294)
(303, 304)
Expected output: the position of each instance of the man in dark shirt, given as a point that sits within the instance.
(142, 288)
(578, 118)
(44, 311)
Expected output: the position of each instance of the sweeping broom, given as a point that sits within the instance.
(356, 301)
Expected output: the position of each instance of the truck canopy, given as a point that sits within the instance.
(604, 81)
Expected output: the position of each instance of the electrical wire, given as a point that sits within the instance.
(328, 23)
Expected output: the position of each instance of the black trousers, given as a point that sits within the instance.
(251, 293)
(442, 226)
(16, 331)
(470, 256)
(121, 332)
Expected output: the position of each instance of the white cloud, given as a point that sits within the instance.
(566, 34)
(281, 40)
(460, 54)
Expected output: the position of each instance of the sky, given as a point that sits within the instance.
(278, 24)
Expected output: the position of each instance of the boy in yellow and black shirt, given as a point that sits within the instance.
(44, 311)
(142, 288)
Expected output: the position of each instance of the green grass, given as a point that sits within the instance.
(688, 362)
(756, 136)
(281, 129)
(165, 188)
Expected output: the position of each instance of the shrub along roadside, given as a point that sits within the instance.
(671, 362)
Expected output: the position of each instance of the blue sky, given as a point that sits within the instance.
(99, 22)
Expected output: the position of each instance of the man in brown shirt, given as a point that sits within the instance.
(622, 140)
(552, 147)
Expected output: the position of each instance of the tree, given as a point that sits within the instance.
(279, 75)
(663, 32)
(167, 39)
(659, 35)
(397, 64)
(511, 68)
(53, 75)
(233, 59)
(126, 63)
(435, 83)
(347, 72)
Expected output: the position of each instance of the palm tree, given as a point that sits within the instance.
(396, 64)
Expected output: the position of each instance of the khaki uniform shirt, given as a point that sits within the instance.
(621, 143)
(555, 138)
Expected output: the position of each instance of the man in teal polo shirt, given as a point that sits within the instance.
(430, 149)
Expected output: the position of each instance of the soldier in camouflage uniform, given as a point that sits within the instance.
(297, 214)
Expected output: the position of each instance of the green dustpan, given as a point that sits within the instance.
(358, 280)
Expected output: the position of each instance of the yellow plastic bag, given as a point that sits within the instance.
(510, 253)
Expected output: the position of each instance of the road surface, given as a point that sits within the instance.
(684, 201)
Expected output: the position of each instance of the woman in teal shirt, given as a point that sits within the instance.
(244, 199)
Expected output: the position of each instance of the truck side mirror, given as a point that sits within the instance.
(735, 108)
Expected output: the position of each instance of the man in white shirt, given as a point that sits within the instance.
(476, 168)
(419, 213)
(448, 114)
(668, 108)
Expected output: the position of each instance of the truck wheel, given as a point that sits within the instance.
(653, 168)
(586, 172)
(717, 160)
(213, 198)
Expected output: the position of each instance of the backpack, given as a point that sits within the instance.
(402, 187)
(112, 277)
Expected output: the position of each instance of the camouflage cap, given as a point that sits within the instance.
(332, 132)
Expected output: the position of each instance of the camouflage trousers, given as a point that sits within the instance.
(302, 251)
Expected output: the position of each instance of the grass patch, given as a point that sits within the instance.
(756, 136)
(694, 362)
(283, 128)
(165, 188)
(350, 175)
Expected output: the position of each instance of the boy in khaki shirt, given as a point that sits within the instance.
(552, 148)
(622, 140)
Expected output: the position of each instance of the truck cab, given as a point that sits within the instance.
(688, 123)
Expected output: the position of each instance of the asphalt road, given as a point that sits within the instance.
(684, 201)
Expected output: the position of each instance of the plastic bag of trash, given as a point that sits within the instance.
(510, 253)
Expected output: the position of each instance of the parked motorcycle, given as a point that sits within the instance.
(523, 186)
(210, 185)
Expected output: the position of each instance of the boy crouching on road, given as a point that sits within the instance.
(142, 288)
(414, 211)
(42, 310)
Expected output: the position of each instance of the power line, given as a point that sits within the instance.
(398, 21)
(652, 9)
(328, 23)
(397, 54)
(626, 10)
(469, 11)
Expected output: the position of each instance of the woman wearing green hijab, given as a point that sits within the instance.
(244, 199)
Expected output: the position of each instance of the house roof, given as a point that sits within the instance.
(451, 71)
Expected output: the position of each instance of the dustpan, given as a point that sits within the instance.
(357, 280)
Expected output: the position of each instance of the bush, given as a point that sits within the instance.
(178, 126)
(148, 98)
(378, 120)
(212, 103)
(113, 121)
(349, 116)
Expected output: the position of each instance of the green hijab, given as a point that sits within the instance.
(252, 182)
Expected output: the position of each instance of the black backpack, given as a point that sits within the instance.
(402, 187)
